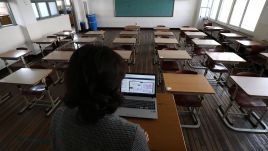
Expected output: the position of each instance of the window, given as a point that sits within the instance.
(238, 11)
(6, 17)
(225, 10)
(205, 8)
(243, 14)
(214, 9)
(44, 8)
(252, 14)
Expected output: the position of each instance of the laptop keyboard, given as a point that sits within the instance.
(138, 104)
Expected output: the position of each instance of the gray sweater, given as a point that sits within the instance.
(111, 133)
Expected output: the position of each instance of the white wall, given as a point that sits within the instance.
(184, 14)
(261, 30)
(10, 38)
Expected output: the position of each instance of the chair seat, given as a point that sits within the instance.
(169, 66)
(34, 90)
(218, 67)
(187, 100)
(245, 101)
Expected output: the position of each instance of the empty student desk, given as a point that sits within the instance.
(247, 43)
(188, 29)
(256, 87)
(232, 36)
(161, 28)
(57, 57)
(162, 33)
(126, 55)
(164, 133)
(30, 77)
(128, 34)
(226, 58)
(127, 41)
(84, 40)
(212, 29)
(44, 41)
(64, 34)
(174, 55)
(99, 33)
(206, 43)
(14, 55)
(132, 27)
(160, 41)
(195, 34)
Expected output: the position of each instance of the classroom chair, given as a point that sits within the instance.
(247, 105)
(191, 102)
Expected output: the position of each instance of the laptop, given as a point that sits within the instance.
(139, 91)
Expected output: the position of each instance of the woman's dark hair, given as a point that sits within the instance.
(93, 81)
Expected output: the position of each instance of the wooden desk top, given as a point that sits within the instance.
(174, 55)
(161, 28)
(65, 33)
(26, 76)
(85, 40)
(225, 57)
(166, 41)
(232, 35)
(265, 55)
(249, 43)
(206, 42)
(195, 34)
(59, 56)
(187, 84)
(253, 86)
(215, 28)
(125, 54)
(163, 33)
(125, 40)
(126, 32)
(14, 54)
(164, 133)
(188, 29)
(100, 32)
(45, 40)
(132, 27)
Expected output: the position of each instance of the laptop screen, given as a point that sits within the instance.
(139, 84)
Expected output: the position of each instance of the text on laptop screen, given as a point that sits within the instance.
(138, 84)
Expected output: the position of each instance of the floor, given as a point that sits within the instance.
(30, 131)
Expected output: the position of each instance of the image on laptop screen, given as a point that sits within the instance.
(138, 84)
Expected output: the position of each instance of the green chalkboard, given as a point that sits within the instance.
(144, 8)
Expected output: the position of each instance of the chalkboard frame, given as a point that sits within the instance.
(115, 15)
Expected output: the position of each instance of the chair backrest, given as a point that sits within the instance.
(207, 24)
(52, 36)
(257, 49)
(217, 49)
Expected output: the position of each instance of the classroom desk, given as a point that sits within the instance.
(195, 34)
(187, 84)
(160, 41)
(226, 58)
(134, 34)
(266, 57)
(14, 55)
(205, 43)
(64, 34)
(44, 41)
(247, 43)
(96, 33)
(256, 87)
(162, 33)
(127, 41)
(164, 133)
(132, 27)
(30, 77)
(232, 36)
(126, 55)
(57, 57)
(212, 29)
(84, 40)
(188, 29)
(163, 29)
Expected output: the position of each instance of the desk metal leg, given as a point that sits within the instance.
(24, 62)
(5, 97)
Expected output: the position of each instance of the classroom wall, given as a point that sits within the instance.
(261, 31)
(184, 14)
(10, 38)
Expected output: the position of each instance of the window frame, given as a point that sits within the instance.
(228, 25)
(48, 8)
(10, 13)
